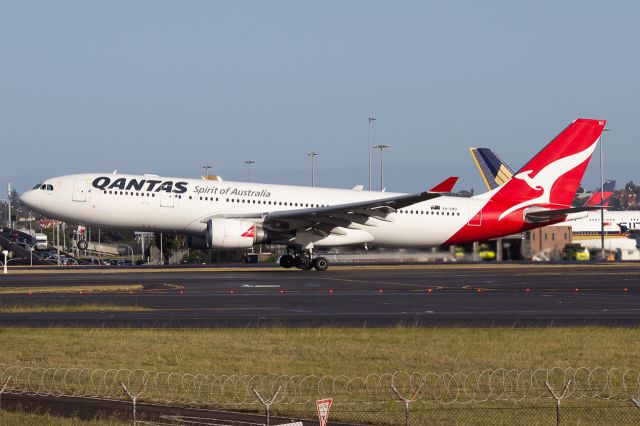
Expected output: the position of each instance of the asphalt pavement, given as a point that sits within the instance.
(420, 295)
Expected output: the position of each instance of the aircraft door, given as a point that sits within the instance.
(166, 200)
(476, 219)
(80, 191)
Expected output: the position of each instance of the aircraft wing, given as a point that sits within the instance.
(377, 207)
(343, 215)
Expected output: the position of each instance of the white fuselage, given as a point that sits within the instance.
(586, 230)
(165, 204)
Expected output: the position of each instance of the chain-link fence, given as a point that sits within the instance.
(542, 396)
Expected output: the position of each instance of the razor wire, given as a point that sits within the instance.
(236, 390)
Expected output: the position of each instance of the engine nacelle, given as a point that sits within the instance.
(234, 234)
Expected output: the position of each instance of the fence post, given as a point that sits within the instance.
(407, 401)
(267, 402)
(134, 398)
(558, 398)
(4, 387)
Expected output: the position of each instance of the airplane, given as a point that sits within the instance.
(232, 215)
(621, 228)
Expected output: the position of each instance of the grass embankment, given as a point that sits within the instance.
(334, 351)
(24, 308)
(17, 418)
(72, 289)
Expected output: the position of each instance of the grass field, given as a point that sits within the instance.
(72, 289)
(348, 351)
(345, 351)
(16, 418)
(23, 308)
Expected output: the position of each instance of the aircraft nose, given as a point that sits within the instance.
(28, 199)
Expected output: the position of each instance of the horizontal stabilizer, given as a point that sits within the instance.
(445, 186)
(540, 215)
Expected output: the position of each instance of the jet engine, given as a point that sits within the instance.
(233, 234)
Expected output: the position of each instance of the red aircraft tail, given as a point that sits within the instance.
(550, 179)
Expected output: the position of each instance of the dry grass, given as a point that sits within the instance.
(72, 289)
(17, 418)
(333, 351)
(68, 308)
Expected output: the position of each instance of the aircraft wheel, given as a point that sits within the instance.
(302, 262)
(82, 245)
(321, 263)
(286, 261)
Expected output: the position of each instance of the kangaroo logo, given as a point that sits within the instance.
(547, 177)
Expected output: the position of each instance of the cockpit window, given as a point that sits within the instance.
(44, 187)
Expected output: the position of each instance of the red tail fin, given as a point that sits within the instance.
(551, 178)
(597, 198)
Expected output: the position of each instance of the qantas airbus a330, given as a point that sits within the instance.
(216, 214)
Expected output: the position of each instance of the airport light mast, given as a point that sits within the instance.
(381, 147)
(602, 196)
(312, 156)
(249, 163)
(206, 170)
(371, 120)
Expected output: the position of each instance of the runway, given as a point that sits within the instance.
(469, 295)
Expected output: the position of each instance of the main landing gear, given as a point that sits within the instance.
(304, 261)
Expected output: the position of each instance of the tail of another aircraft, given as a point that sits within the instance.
(602, 197)
(493, 169)
(550, 179)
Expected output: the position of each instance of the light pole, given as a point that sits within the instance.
(249, 163)
(602, 197)
(371, 120)
(381, 147)
(129, 247)
(31, 248)
(5, 252)
(206, 170)
(313, 178)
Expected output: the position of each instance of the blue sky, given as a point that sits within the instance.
(167, 87)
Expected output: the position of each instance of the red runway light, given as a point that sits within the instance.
(231, 291)
(528, 290)
(381, 291)
(478, 290)
(429, 290)
(181, 292)
(577, 289)
(282, 291)
(330, 291)
(626, 289)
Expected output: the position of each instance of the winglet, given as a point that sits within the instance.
(446, 185)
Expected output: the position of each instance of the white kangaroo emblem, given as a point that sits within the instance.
(547, 177)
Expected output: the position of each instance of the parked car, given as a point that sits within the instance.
(64, 260)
